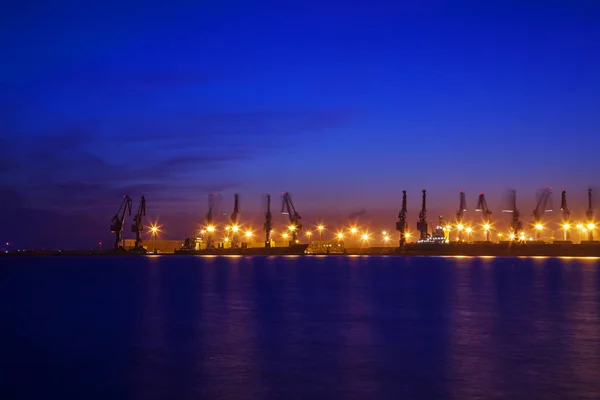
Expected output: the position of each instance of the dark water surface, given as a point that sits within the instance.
(289, 328)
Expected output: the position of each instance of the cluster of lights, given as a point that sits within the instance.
(355, 231)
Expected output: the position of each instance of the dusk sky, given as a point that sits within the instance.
(343, 106)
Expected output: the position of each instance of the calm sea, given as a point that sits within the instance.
(299, 328)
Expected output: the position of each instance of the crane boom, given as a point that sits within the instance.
(137, 226)
(402, 225)
(422, 223)
(287, 207)
(118, 221)
(268, 222)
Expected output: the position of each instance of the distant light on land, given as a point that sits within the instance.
(591, 226)
(210, 228)
(566, 226)
(459, 227)
(539, 227)
(248, 234)
(486, 227)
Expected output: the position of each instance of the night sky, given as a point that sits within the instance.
(343, 106)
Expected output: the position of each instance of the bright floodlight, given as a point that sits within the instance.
(320, 228)
(469, 230)
(459, 227)
(154, 229)
(235, 228)
(407, 235)
(308, 233)
(566, 226)
(539, 227)
(285, 235)
(579, 226)
(248, 234)
(486, 227)
(292, 228)
(210, 228)
(353, 230)
(386, 238)
(365, 236)
(512, 236)
(591, 226)
(340, 235)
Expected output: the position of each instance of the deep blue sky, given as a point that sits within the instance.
(344, 106)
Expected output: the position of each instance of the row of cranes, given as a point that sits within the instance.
(287, 208)
(118, 222)
(440, 234)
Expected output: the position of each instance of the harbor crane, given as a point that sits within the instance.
(543, 204)
(422, 223)
(268, 223)
(566, 215)
(460, 215)
(486, 214)
(402, 225)
(516, 227)
(119, 220)
(209, 220)
(234, 218)
(287, 207)
(137, 227)
(589, 215)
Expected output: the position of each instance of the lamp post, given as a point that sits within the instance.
(320, 228)
(153, 232)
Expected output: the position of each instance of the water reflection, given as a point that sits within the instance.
(303, 327)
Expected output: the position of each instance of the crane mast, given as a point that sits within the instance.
(566, 214)
(460, 215)
(486, 214)
(402, 225)
(422, 223)
(515, 225)
(268, 223)
(543, 204)
(589, 215)
(287, 207)
(137, 226)
(118, 221)
(209, 220)
(234, 218)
